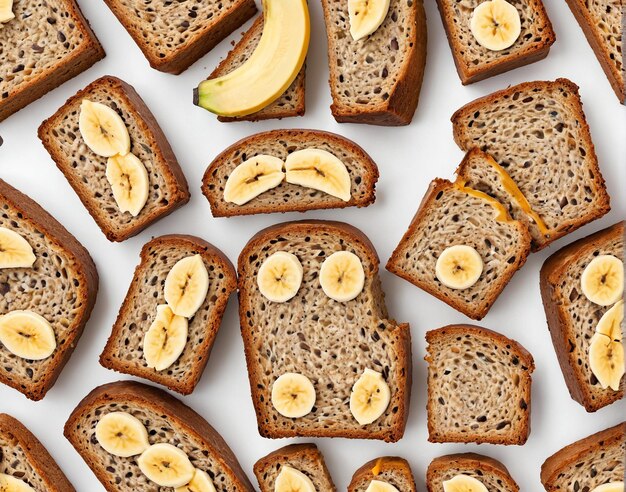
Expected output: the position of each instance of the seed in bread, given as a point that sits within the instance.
(491, 473)
(385, 474)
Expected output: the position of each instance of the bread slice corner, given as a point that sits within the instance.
(393, 470)
(491, 472)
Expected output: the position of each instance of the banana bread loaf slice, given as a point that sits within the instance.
(490, 472)
(478, 386)
(390, 470)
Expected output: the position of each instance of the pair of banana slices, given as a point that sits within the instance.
(496, 24)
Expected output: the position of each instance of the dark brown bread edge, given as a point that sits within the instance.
(551, 272)
(385, 463)
(85, 269)
(171, 170)
(161, 403)
(204, 350)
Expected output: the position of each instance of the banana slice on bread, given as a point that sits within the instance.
(366, 16)
(602, 281)
(459, 267)
(464, 483)
(320, 170)
(27, 335)
(166, 338)
(122, 434)
(610, 487)
(342, 276)
(380, 486)
(496, 24)
(606, 352)
(201, 482)
(291, 480)
(166, 465)
(252, 178)
(6, 13)
(370, 397)
(129, 181)
(9, 483)
(102, 129)
(186, 286)
(15, 252)
(280, 276)
(293, 395)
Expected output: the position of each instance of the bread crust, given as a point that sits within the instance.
(220, 208)
(84, 268)
(160, 403)
(373, 468)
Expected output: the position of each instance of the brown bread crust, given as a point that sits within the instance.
(485, 464)
(373, 468)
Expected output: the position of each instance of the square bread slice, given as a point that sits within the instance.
(24, 458)
(168, 421)
(473, 61)
(377, 79)
(305, 458)
(588, 463)
(173, 35)
(572, 318)
(538, 133)
(61, 286)
(389, 469)
(288, 197)
(451, 214)
(291, 103)
(124, 349)
(46, 44)
(478, 386)
(329, 342)
(86, 171)
(493, 474)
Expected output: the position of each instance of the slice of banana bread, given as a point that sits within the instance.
(478, 386)
(493, 474)
(389, 469)
(572, 317)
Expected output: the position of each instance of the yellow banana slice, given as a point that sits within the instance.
(341, 276)
(291, 480)
(165, 340)
(129, 181)
(459, 267)
(380, 486)
(9, 483)
(319, 170)
(602, 281)
(366, 16)
(15, 252)
(201, 482)
(370, 397)
(27, 335)
(463, 483)
(166, 465)
(122, 434)
(102, 129)
(606, 352)
(496, 24)
(280, 276)
(6, 11)
(186, 286)
(293, 395)
(252, 178)
(610, 487)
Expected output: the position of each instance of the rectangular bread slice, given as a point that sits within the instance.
(288, 197)
(475, 62)
(306, 458)
(124, 349)
(572, 318)
(167, 420)
(86, 171)
(377, 79)
(61, 286)
(451, 214)
(478, 386)
(538, 133)
(23, 457)
(173, 35)
(291, 103)
(329, 342)
(389, 469)
(588, 463)
(493, 474)
(46, 44)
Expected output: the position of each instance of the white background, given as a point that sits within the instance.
(408, 158)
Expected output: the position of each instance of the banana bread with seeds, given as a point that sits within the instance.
(389, 469)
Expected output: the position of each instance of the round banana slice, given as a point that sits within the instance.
(9, 483)
(319, 170)
(459, 267)
(102, 129)
(129, 181)
(291, 480)
(370, 397)
(366, 16)
(201, 482)
(496, 24)
(606, 352)
(15, 252)
(6, 13)
(602, 281)
(186, 286)
(122, 434)
(610, 487)
(252, 178)
(463, 483)
(280, 276)
(293, 395)
(341, 276)
(166, 465)
(165, 340)
(380, 486)
(27, 335)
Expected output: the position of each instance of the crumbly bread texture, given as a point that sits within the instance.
(493, 474)
(390, 469)
(538, 133)
(55, 44)
(478, 386)
(306, 458)
(475, 62)
(61, 286)
(290, 103)
(288, 197)
(329, 342)
(124, 349)
(572, 318)
(602, 22)
(588, 463)
(24, 457)
(167, 420)
(86, 171)
(451, 214)
(377, 79)
(173, 34)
